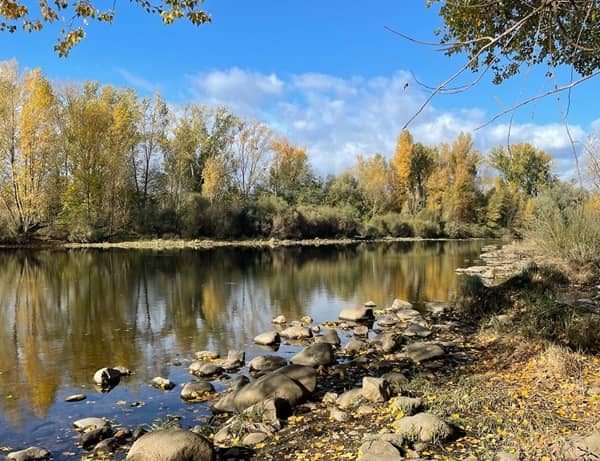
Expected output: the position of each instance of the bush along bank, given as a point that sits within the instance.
(392, 382)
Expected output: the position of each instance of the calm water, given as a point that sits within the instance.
(64, 314)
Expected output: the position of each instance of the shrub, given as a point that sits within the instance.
(460, 230)
(324, 221)
(426, 229)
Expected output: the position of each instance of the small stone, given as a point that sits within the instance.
(375, 389)
(162, 383)
(408, 405)
(279, 320)
(417, 330)
(307, 319)
(75, 398)
(106, 446)
(89, 440)
(365, 410)
(370, 304)
(266, 363)
(396, 380)
(399, 305)
(356, 314)
(207, 355)
(196, 390)
(85, 424)
(315, 329)
(420, 352)
(235, 359)
(204, 369)
(107, 378)
(355, 346)
(361, 330)
(123, 370)
(254, 438)
(349, 398)
(329, 336)
(296, 332)
(268, 338)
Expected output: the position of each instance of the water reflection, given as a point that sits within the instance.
(64, 314)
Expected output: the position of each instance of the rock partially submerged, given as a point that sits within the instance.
(107, 378)
(90, 423)
(268, 338)
(357, 314)
(29, 454)
(162, 383)
(196, 390)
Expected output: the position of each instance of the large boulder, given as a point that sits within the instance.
(266, 363)
(29, 454)
(420, 352)
(315, 355)
(107, 378)
(268, 338)
(424, 427)
(292, 383)
(357, 314)
(171, 445)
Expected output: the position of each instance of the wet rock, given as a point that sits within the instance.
(207, 355)
(355, 346)
(171, 445)
(196, 390)
(357, 314)
(107, 446)
(254, 438)
(387, 322)
(279, 320)
(75, 398)
(315, 355)
(89, 440)
(578, 447)
(417, 330)
(296, 332)
(107, 378)
(407, 405)
(378, 450)
(339, 415)
(123, 433)
(329, 336)
(238, 382)
(399, 305)
(266, 363)
(437, 307)
(420, 352)
(424, 427)
(268, 338)
(349, 398)
(370, 304)
(204, 369)
(375, 389)
(409, 315)
(315, 329)
(29, 454)
(123, 370)
(307, 319)
(292, 383)
(235, 360)
(85, 424)
(162, 383)
(360, 330)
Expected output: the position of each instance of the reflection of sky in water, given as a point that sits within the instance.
(65, 314)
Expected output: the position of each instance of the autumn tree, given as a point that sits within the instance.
(16, 14)
(289, 170)
(523, 166)
(400, 168)
(373, 177)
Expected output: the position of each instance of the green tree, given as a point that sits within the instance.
(289, 170)
(525, 167)
(16, 14)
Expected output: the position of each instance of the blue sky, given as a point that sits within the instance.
(325, 73)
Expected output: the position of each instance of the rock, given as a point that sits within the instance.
(375, 389)
(410, 315)
(420, 352)
(584, 448)
(107, 446)
(171, 445)
(329, 336)
(269, 412)
(355, 346)
(307, 319)
(207, 355)
(235, 359)
(315, 329)
(387, 322)
(123, 370)
(268, 338)
(339, 415)
(361, 330)
(363, 410)
(396, 380)
(437, 307)
(378, 450)
(504, 456)
(254, 438)
(85, 424)
(162, 383)
(204, 369)
(417, 330)
(89, 440)
(349, 398)
(29, 454)
(75, 398)
(370, 304)
(138, 432)
(407, 405)
(356, 314)
(292, 383)
(267, 363)
(107, 378)
(238, 382)
(424, 427)
(279, 320)
(123, 434)
(314, 355)
(399, 305)
(195, 390)
(387, 342)
(296, 332)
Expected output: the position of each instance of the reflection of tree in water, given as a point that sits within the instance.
(64, 314)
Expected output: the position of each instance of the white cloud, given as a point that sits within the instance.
(338, 118)
(138, 82)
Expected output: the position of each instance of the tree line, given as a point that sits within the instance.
(93, 162)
